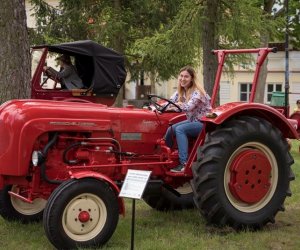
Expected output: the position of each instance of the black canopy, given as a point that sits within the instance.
(101, 68)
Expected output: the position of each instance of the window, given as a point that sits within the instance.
(36, 56)
(245, 90)
(271, 87)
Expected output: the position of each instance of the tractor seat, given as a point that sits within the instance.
(82, 92)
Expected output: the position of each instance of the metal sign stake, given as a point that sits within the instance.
(132, 224)
(133, 187)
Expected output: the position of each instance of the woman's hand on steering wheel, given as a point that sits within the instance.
(163, 108)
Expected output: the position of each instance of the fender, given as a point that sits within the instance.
(99, 176)
(229, 110)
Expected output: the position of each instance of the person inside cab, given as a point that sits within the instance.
(67, 75)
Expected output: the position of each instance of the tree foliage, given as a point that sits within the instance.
(161, 36)
(116, 24)
(235, 24)
(173, 45)
(294, 23)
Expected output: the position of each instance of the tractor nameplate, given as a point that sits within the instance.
(131, 136)
(73, 124)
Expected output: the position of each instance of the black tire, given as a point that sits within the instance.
(170, 200)
(14, 209)
(219, 160)
(68, 202)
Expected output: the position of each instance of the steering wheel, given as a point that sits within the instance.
(163, 108)
(52, 76)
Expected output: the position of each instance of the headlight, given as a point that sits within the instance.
(37, 158)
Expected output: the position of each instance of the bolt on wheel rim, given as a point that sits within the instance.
(266, 157)
(84, 217)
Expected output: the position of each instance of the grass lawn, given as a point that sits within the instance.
(178, 230)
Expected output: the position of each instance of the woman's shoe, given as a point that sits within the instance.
(178, 168)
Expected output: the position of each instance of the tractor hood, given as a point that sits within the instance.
(23, 121)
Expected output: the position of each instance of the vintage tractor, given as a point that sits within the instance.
(65, 162)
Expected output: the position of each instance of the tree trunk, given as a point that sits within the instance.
(260, 89)
(264, 42)
(119, 47)
(209, 42)
(152, 81)
(15, 61)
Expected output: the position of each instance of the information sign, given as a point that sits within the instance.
(135, 183)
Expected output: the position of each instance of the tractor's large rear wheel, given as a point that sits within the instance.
(81, 213)
(169, 200)
(243, 174)
(13, 208)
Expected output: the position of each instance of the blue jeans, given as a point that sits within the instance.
(182, 131)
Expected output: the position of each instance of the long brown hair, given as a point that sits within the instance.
(194, 86)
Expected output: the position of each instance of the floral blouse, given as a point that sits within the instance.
(196, 107)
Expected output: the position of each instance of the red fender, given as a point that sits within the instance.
(91, 174)
(229, 110)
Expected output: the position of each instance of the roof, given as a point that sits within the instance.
(106, 66)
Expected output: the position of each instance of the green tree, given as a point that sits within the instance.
(275, 15)
(117, 24)
(278, 10)
(199, 27)
(14, 51)
(159, 37)
(216, 24)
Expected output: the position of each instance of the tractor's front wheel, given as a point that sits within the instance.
(13, 208)
(243, 174)
(81, 213)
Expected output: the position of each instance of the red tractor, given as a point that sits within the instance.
(64, 162)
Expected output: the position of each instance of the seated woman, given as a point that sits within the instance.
(195, 102)
(67, 75)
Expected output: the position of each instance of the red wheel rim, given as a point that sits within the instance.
(250, 174)
(233, 172)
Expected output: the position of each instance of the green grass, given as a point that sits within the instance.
(178, 230)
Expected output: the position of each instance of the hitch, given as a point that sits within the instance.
(20, 197)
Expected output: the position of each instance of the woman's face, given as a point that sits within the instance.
(185, 79)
